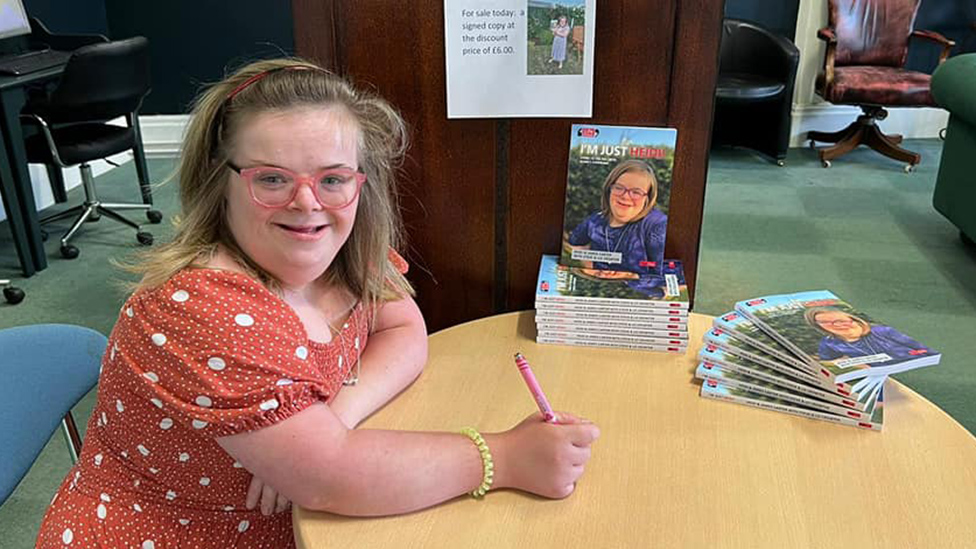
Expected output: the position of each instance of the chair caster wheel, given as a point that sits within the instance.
(780, 163)
(144, 238)
(909, 168)
(825, 163)
(12, 294)
(68, 251)
(154, 216)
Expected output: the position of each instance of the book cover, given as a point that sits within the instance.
(618, 191)
(824, 330)
(741, 328)
(717, 355)
(569, 285)
(874, 411)
(728, 362)
(739, 380)
(583, 310)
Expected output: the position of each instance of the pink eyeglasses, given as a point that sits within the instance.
(271, 187)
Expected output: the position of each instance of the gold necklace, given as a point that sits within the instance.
(348, 380)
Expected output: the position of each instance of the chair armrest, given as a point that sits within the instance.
(48, 137)
(41, 37)
(933, 36)
(953, 83)
(827, 35)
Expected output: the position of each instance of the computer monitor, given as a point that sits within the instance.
(13, 19)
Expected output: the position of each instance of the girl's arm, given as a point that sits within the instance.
(394, 356)
(312, 459)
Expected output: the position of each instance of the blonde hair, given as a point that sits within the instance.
(362, 264)
(620, 169)
(810, 315)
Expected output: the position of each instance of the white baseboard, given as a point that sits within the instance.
(913, 123)
(161, 138)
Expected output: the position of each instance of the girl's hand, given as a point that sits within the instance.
(543, 458)
(271, 501)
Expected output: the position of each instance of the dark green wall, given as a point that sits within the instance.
(193, 42)
(778, 16)
(70, 16)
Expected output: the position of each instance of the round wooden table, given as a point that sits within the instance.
(672, 469)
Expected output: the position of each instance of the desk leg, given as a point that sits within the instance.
(11, 204)
(11, 102)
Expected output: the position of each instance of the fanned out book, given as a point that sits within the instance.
(809, 354)
(618, 192)
(829, 333)
(575, 308)
(873, 417)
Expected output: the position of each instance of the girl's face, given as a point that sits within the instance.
(562, 21)
(298, 241)
(840, 324)
(628, 196)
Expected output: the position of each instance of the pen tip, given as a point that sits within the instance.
(518, 355)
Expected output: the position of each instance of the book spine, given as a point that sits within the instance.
(603, 344)
(802, 412)
(614, 302)
(786, 383)
(615, 338)
(605, 329)
(631, 318)
(706, 355)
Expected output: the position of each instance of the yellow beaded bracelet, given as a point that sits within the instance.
(489, 465)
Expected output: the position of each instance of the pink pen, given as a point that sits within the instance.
(534, 388)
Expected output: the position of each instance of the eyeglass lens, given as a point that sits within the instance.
(276, 187)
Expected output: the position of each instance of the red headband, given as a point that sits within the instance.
(243, 85)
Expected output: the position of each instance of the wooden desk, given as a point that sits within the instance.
(672, 469)
(15, 182)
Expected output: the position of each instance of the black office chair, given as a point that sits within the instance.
(101, 82)
(754, 93)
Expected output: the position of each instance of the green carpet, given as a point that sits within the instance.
(863, 229)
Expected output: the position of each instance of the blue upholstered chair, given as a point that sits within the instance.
(45, 370)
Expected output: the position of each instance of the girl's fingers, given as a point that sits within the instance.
(254, 492)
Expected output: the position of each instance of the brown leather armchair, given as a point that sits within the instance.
(867, 46)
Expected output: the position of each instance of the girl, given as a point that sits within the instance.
(277, 320)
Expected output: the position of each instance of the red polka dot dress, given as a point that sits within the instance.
(208, 354)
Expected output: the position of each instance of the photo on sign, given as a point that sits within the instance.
(555, 37)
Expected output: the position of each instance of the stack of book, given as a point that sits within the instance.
(611, 286)
(574, 307)
(809, 354)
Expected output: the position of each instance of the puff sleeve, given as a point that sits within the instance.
(220, 352)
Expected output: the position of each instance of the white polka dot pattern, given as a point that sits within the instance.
(208, 354)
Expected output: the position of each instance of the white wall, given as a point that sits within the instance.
(810, 112)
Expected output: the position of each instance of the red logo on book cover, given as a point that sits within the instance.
(755, 302)
(708, 365)
(848, 402)
(587, 132)
(841, 391)
(544, 286)
(730, 317)
(854, 415)
(710, 348)
(711, 383)
(865, 425)
(650, 264)
(716, 331)
(825, 372)
(673, 326)
(916, 352)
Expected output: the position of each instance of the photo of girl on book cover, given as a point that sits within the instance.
(618, 188)
(846, 335)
